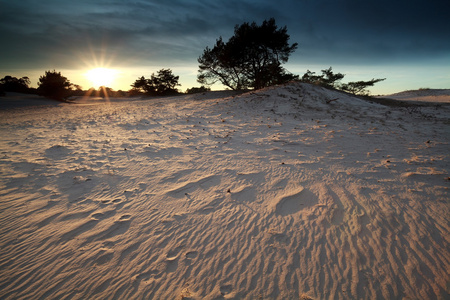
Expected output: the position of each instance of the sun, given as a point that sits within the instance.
(101, 77)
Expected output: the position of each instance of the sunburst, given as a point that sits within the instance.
(101, 77)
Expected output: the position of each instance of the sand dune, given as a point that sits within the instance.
(423, 95)
(274, 194)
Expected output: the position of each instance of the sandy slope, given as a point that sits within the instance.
(423, 95)
(273, 194)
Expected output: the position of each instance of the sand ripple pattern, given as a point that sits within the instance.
(268, 195)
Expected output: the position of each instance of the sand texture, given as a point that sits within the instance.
(285, 193)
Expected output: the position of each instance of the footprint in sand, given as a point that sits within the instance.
(103, 215)
(104, 257)
(172, 259)
(118, 227)
(296, 202)
(117, 201)
(225, 289)
(187, 187)
(191, 254)
(125, 218)
(173, 254)
(147, 275)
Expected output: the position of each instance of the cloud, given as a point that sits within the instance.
(60, 33)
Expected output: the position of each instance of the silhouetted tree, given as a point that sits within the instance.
(13, 84)
(140, 85)
(359, 87)
(250, 58)
(164, 83)
(195, 90)
(328, 78)
(55, 86)
(309, 77)
(105, 92)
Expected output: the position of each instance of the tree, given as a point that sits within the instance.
(328, 78)
(140, 85)
(53, 85)
(250, 58)
(164, 83)
(331, 80)
(105, 92)
(13, 84)
(359, 87)
(195, 90)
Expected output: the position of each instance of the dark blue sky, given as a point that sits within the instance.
(408, 42)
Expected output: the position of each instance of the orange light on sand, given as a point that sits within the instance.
(101, 77)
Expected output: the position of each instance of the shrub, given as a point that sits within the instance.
(195, 90)
(55, 86)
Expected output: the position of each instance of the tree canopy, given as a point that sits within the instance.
(53, 85)
(252, 58)
(164, 83)
(13, 84)
(328, 78)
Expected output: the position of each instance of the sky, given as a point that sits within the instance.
(405, 41)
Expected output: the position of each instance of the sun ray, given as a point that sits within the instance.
(101, 77)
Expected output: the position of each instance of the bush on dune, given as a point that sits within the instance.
(54, 86)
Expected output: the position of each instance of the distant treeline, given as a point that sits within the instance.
(251, 59)
(54, 85)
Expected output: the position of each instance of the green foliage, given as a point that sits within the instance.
(359, 87)
(195, 90)
(13, 84)
(251, 58)
(162, 84)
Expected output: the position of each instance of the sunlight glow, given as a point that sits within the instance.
(101, 77)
